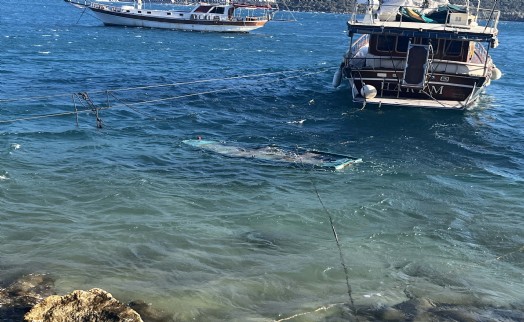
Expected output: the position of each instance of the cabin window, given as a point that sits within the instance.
(396, 45)
(149, 12)
(386, 43)
(203, 9)
(169, 13)
(402, 44)
(453, 48)
(218, 10)
(139, 11)
(181, 14)
(421, 41)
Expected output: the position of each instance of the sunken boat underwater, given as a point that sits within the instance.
(213, 16)
(277, 155)
(418, 53)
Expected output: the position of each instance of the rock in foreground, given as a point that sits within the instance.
(95, 305)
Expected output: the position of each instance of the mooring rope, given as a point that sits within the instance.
(342, 262)
(92, 108)
(34, 98)
(322, 308)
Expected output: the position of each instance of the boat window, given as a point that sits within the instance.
(169, 13)
(453, 48)
(402, 44)
(386, 43)
(219, 10)
(204, 9)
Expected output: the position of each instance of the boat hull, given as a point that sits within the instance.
(434, 95)
(464, 90)
(111, 18)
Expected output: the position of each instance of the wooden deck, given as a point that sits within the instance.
(450, 105)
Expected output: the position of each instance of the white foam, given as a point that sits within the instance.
(297, 122)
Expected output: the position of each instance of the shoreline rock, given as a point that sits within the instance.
(78, 306)
(33, 296)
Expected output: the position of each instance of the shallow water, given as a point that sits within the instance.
(434, 211)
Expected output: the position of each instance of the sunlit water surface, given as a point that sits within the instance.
(434, 211)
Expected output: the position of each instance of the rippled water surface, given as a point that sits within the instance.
(435, 210)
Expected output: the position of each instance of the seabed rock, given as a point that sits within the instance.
(424, 309)
(20, 296)
(95, 305)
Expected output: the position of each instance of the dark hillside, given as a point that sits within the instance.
(510, 9)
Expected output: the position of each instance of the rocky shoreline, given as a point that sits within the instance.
(32, 298)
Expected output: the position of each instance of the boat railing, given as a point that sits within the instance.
(362, 41)
(480, 54)
(487, 17)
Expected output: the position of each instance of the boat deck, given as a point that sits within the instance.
(440, 104)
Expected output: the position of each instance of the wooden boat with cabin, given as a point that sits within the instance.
(408, 54)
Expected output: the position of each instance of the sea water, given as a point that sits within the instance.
(435, 210)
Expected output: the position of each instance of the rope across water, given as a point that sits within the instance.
(297, 73)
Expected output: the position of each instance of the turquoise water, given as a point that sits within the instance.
(435, 209)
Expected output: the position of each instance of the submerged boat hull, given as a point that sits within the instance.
(298, 157)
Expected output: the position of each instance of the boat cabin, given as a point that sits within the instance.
(443, 49)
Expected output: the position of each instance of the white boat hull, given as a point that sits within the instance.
(112, 20)
(113, 16)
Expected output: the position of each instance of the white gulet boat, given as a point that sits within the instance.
(429, 54)
(224, 16)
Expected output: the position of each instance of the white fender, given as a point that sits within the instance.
(496, 73)
(337, 78)
(368, 91)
